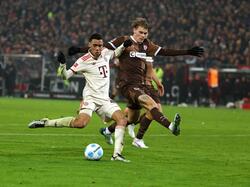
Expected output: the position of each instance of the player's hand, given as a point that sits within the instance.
(127, 43)
(196, 51)
(73, 50)
(61, 58)
(160, 89)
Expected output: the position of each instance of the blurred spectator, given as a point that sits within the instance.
(159, 73)
(195, 89)
(10, 78)
(168, 81)
(182, 80)
(213, 85)
(226, 89)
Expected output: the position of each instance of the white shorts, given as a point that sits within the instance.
(103, 108)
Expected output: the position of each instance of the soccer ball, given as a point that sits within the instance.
(93, 152)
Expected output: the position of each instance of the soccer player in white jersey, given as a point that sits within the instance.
(94, 66)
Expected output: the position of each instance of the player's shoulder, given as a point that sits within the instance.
(106, 51)
(119, 39)
(85, 57)
(147, 42)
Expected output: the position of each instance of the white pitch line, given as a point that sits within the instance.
(153, 135)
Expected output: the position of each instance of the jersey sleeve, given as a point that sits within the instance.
(153, 49)
(108, 53)
(116, 42)
(78, 66)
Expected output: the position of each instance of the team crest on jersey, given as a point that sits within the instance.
(145, 47)
(85, 103)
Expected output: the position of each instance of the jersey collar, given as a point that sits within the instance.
(133, 39)
(93, 56)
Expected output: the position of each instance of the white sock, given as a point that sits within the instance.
(60, 122)
(119, 135)
(171, 126)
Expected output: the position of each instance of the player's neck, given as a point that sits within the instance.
(93, 56)
(133, 37)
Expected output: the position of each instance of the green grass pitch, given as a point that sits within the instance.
(212, 150)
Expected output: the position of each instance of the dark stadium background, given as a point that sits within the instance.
(44, 27)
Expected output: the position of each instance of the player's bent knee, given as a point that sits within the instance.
(122, 122)
(79, 124)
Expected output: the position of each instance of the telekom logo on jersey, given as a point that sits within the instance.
(103, 70)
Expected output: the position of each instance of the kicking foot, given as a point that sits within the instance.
(175, 126)
(108, 137)
(139, 143)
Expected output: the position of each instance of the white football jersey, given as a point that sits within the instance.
(96, 73)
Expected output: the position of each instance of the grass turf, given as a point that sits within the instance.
(213, 149)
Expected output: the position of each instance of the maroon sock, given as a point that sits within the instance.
(159, 117)
(144, 124)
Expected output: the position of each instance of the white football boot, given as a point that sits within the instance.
(131, 131)
(139, 143)
(175, 125)
(38, 123)
(119, 157)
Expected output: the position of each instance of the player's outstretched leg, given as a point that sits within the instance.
(144, 124)
(118, 147)
(175, 125)
(38, 123)
(107, 135)
(45, 122)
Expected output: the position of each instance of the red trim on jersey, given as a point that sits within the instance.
(86, 57)
(75, 65)
(73, 70)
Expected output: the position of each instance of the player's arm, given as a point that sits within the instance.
(118, 51)
(112, 45)
(73, 50)
(195, 51)
(154, 50)
(115, 43)
(62, 71)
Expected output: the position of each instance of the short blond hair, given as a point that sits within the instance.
(142, 22)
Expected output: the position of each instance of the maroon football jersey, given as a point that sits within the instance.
(133, 61)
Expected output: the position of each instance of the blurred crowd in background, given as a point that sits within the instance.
(44, 27)
(222, 27)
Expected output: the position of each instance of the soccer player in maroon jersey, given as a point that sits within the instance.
(132, 76)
